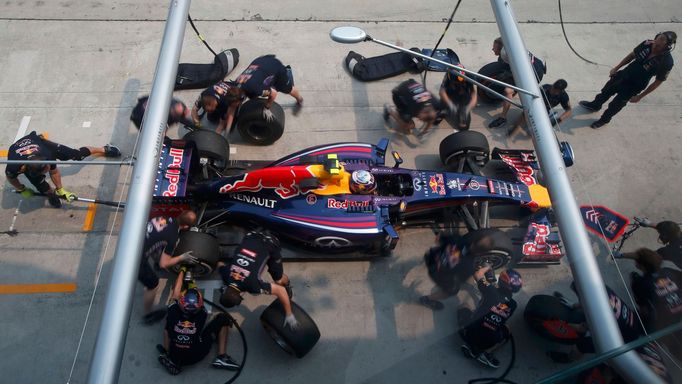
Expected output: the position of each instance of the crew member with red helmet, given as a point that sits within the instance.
(485, 329)
(188, 337)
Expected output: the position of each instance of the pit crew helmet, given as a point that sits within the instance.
(456, 74)
(510, 280)
(362, 182)
(191, 302)
(231, 296)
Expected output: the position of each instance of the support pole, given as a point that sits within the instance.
(106, 361)
(585, 270)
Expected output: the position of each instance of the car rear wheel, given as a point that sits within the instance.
(471, 144)
(212, 147)
(491, 246)
(254, 128)
(204, 247)
(298, 342)
(493, 70)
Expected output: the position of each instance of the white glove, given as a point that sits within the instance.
(644, 222)
(291, 321)
(188, 258)
(267, 115)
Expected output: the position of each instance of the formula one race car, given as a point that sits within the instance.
(342, 197)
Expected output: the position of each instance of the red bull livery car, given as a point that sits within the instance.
(343, 196)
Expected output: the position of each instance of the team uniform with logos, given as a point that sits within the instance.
(460, 93)
(161, 236)
(442, 271)
(264, 73)
(244, 270)
(410, 97)
(35, 147)
(660, 293)
(632, 80)
(137, 115)
(221, 92)
(487, 326)
(190, 337)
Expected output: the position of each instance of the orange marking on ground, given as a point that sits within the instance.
(19, 289)
(3, 152)
(90, 217)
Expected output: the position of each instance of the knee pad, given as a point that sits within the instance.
(84, 152)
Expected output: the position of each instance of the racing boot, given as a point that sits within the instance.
(111, 151)
(225, 362)
(170, 366)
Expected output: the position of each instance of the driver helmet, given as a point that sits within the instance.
(362, 182)
(455, 74)
(191, 302)
(510, 280)
(231, 297)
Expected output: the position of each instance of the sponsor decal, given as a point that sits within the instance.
(311, 199)
(433, 184)
(259, 201)
(173, 172)
(344, 204)
(417, 183)
(455, 184)
(238, 273)
(248, 252)
(604, 222)
(537, 245)
(185, 327)
(521, 164)
(284, 180)
(440, 183)
(27, 149)
(332, 242)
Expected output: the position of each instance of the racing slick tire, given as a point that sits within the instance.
(497, 253)
(493, 70)
(549, 318)
(298, 342)
(464, 144)
(254, 128)
(204, 247)
(212, 146)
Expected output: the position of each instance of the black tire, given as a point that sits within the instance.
(297, 343)
(466, 143)
(204, 247)
(498, 252)
(212, 146)
(493, 70)
(541, 308)
(254, 128)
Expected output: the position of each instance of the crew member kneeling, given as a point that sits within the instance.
(242, 273)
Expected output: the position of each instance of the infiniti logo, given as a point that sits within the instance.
(332, 242)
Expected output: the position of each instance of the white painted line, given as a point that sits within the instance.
(233, 150)
(87, 124)
(22, 128)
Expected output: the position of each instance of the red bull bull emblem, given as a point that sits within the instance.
(284, 181)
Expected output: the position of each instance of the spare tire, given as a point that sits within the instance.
(254, 128)
(498, 71)
(497, 252)
(549, 318)
(298, 342)
(204, 247)
(211, 146)
(466, 143)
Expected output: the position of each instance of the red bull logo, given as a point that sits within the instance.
(344, 204)
(284, 181)
(173, 171)
(524, 172)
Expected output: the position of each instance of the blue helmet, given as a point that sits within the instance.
(510, 280)
(191, 301)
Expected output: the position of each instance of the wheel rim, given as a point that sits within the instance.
(258, 132)
(497, 261)
(278, 339)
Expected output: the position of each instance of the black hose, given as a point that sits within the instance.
(501, 378)
(561, 21)
(241, 333)
(189, 18)
(452, 16)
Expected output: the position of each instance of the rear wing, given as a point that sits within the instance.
(524, 163)
(172, 177)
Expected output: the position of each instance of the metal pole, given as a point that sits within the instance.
(425, 57)
(585, 270)
(106, 361)
(69, 162)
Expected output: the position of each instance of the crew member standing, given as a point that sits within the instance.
(650, 58)
(459, 96)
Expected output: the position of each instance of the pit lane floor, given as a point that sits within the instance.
(77, 68)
